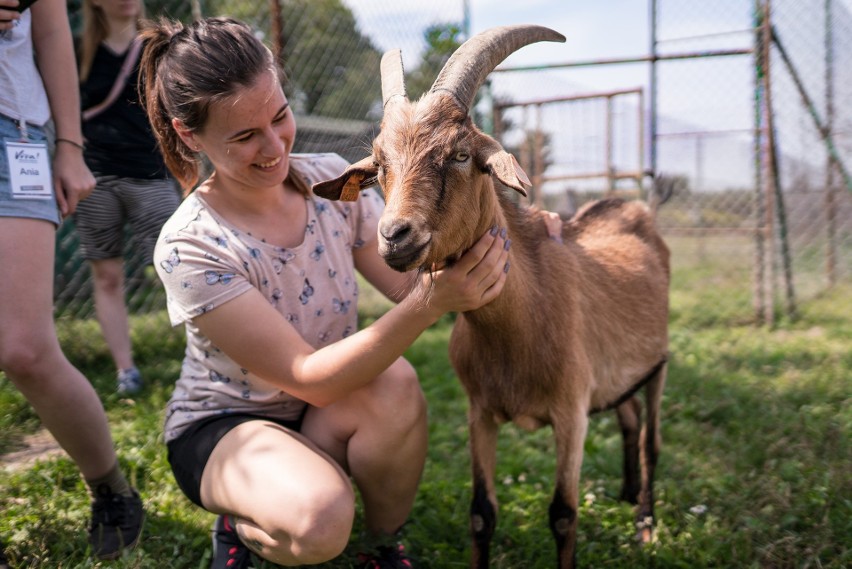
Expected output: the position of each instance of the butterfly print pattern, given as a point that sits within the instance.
(204, 262)
(171, 262)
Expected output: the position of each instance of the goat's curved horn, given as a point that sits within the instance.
(393, 76)
(471, 63)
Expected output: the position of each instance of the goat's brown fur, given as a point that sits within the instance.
(579, 326)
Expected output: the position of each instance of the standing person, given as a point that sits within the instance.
(280, 399)
(133, 184)
(37, 81)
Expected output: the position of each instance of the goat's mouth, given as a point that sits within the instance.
(404, 258)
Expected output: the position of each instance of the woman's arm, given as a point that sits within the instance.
(258, 338)
(54, 51)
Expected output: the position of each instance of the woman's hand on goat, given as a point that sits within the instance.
(552, 223)
(475, 279)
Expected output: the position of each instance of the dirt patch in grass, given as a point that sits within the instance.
(37, 446)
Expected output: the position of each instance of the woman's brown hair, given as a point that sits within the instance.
(185, 68)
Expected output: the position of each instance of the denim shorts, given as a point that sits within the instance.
(31, 208)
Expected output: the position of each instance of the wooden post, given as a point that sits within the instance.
(608, 141)
(275, 28)
(774, 178)
(538, 160)
(831, 162)
(764, 197)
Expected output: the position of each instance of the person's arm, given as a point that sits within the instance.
(55, 59)
(258, 338)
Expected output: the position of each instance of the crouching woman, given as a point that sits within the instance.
(281, 402)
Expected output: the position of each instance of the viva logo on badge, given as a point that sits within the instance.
(25, 156)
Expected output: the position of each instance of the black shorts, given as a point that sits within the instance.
(189, 453)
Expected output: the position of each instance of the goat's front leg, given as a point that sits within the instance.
(570, 432)
(483, 508)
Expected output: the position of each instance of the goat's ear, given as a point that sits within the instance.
(504, 166)
(347, 187)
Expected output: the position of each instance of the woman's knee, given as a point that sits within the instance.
(20, 358)
(321, 531)
(399, 389)
(108, 275)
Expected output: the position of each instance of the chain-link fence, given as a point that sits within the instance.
(750, 147)
(330, 51)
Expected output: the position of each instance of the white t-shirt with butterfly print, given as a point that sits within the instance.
(204, 262)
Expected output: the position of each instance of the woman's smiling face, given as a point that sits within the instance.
(249, 135)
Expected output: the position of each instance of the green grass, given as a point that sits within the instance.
(755, 470)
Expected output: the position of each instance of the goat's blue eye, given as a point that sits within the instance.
(461, 156)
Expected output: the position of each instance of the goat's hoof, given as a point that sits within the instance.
(630, 497)
(645, 530)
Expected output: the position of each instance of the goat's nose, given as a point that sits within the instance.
(395, 231)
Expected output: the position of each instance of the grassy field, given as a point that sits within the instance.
(755, 472)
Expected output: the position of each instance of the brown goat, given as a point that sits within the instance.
(580, 327)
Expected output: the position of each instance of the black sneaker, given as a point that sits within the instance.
(385, 557)
(116, 522)
(228, 551)
(4, 561)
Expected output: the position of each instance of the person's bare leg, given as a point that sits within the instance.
(111, 310)
(30, 353)
(292, 503)
(379, 434)
(304, 514)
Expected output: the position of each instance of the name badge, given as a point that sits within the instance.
(29, 170)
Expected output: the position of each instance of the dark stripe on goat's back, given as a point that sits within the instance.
(597, 209)
(632, 391)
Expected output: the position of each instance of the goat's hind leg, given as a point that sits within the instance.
(629, 417)
(649, 450)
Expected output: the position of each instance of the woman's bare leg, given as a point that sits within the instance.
(30, 353)
(293, 504)
(379, 434)
(111, 309)
(304, 514)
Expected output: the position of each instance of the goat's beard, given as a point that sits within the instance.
(421, 293)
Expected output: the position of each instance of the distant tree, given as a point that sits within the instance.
(331, 67)
(441, 41)
(534, 141)
(169, 8)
